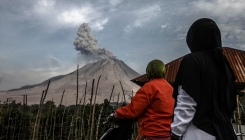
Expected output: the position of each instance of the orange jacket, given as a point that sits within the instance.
(153, 105)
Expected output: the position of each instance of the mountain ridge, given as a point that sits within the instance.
(112, 72)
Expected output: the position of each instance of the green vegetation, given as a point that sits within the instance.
(17, 121)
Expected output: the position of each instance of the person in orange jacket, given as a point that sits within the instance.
(152, 104)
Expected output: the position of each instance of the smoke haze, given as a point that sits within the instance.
(86, 44)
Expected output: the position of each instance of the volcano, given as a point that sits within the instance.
(114, 75)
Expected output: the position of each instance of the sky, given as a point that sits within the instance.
(37, 37)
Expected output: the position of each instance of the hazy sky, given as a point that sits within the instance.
(37, 36)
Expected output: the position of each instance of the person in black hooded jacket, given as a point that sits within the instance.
(204, 88)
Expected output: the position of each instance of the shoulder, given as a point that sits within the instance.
(156, 82)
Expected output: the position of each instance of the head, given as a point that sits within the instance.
(203, 34)
(155, 69)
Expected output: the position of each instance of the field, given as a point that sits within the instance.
(48, 121)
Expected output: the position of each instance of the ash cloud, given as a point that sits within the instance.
(86, 44)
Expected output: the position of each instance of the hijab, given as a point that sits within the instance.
(203, 34)
(155, 69)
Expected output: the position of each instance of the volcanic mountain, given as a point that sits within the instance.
(114, 73)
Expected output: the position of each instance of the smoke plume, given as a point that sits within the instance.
(86, 44)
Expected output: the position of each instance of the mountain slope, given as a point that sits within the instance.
(112, 71)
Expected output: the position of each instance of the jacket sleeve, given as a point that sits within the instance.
(138, 104)
(183, 112)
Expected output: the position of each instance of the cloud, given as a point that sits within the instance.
(13, 77)
(181, 36)
(233, 34)
(164, 26)
(225, 9)
(115, 2)
(99, 25)
(242, 46)
(145, 15)
(127, 29)
(52, 13)
(43, 6)
(85, 14)
(75, 16)
(142, 17)
(228, 15)
(54, 61)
